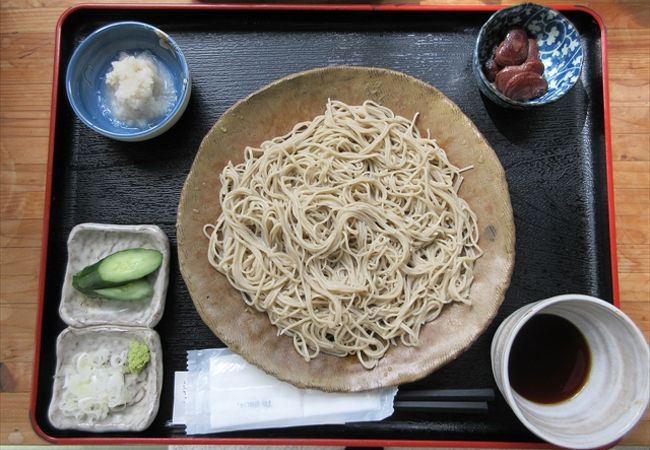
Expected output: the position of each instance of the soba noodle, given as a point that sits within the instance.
(348, 232)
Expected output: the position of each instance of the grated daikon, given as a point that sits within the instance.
(140, 90)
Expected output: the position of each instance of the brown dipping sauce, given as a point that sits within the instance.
(549, 360)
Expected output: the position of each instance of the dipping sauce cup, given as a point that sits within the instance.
(574, 369)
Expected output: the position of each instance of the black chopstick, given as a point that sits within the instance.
(442, 406)
(465, 395)
(465, 401)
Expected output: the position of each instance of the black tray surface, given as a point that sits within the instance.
(554, 158)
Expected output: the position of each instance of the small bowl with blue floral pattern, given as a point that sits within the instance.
(558, 44)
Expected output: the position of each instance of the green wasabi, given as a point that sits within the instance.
(137, 358)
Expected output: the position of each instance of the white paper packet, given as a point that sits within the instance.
(222, 392)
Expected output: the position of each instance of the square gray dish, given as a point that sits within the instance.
(90, 242)
(72, 342)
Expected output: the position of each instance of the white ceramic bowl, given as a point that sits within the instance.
(617, 389)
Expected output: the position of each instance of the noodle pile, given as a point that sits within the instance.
(348, 232)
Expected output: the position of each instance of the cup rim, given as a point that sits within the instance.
(535, 309)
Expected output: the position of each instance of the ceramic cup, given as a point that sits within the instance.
(617, 388)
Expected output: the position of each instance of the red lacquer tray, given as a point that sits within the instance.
(557, 161)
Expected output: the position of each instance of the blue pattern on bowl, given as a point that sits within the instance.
(91, 60)
(559, 49)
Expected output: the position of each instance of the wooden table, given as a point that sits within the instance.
(27, 32)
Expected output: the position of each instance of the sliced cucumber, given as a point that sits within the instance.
(118, 268)
(133, 290)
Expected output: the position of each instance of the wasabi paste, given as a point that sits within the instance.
(137, 358)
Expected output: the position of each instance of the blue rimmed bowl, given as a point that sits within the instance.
(91, 61)
(559, 45)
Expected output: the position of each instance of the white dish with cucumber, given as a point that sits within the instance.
(116, 274)
(107, 378)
